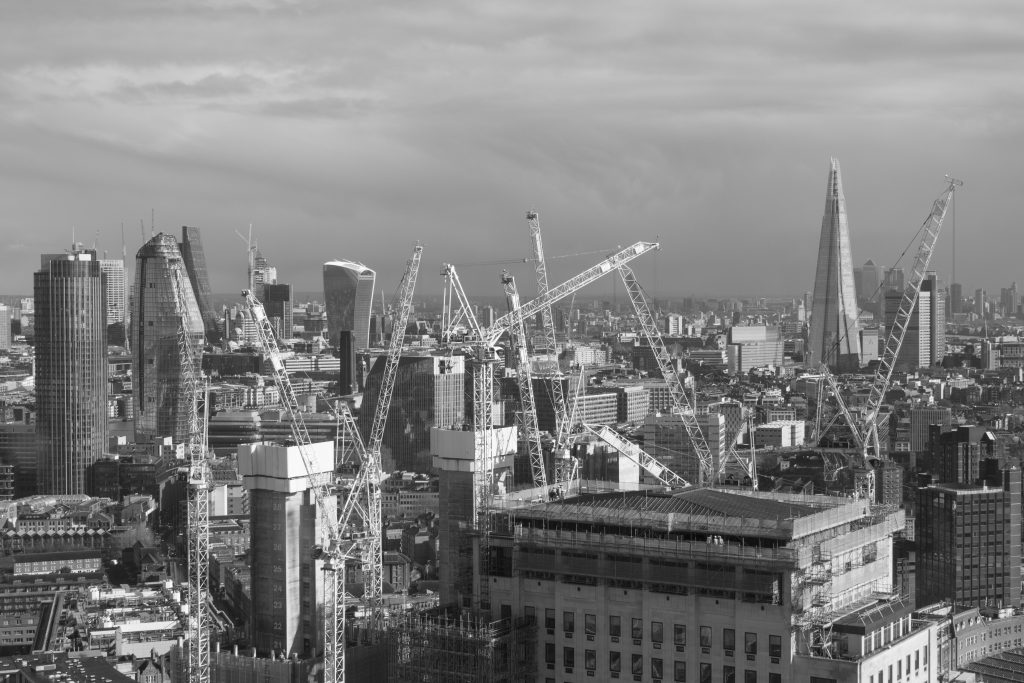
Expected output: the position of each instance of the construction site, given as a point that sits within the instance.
(655, 576)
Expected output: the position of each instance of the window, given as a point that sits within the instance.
(679, 671)
(568, 621)
(657, 631)
(679, 634)
(638, 628)
(549, 618)
(614, 661)
(568, 657)
(549, 653)
(899, 668)
(657, 668)
(530, 612)
(729, 639)
(750, 676)
(705, 636)
(750, 643)
(637, 665)
(728, 674)
(705, 672)
(777, 678)
(590, 624)
(614, 626)
(917, 660)
(775, 646)
(590, 660)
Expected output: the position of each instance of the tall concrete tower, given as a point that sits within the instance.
(160, 400)
(834, 335)
(71, 369)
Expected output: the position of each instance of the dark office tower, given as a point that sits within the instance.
(835, 334)
(347, 355)
(348, 295)
(969, 543)
(956, 298)
(277, 302)
(71, 369)
(429, 392)
(160, 402)
(191, 248)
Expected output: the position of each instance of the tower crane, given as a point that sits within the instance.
(361, 511)
(199, 618)
(525, 381)
(865, 433)
(564, 469)
(681, 404)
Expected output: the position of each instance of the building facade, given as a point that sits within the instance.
(159, 396)
(277, 302)
(348, 295)
(191, 249)
(834, 331)
(71, 370)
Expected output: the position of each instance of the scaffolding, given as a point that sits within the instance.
(455, 647)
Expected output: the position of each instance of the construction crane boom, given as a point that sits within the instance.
(199, 618)
(681, 404)
(636, 455)
(894, 341)
(524, 379)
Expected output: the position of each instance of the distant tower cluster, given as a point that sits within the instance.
(834, 330)
(160, 408)
(348, 295)
(71, 369)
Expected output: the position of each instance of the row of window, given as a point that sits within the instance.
(657, 631)
(657, 666)
(901, 669)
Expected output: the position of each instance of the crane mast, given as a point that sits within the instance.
(523, 377)
(564, 471)
(199, 619)
(681, 404)
(373, 568)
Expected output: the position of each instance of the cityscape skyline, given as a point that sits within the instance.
(456, 161)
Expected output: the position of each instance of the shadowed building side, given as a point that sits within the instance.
(192, 253)
(834, 331)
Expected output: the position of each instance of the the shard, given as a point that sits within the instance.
(834, 335)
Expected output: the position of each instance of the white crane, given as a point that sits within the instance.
(681, 404)
(361, 511)
(199, 618)
(635, 454)
(865, 432)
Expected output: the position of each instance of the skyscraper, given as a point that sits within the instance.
(5, 328)
(348, 295)
(160, 401)
(262, 272)
(71, 369)
(277, 301)
(956, 298)
(113, 269)
(834, 334)
(924, 342)
(191, 249)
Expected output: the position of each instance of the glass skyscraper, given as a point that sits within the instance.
(348, 294)
(834, 330)
(191, 249)
(160, 402)
(71, 369)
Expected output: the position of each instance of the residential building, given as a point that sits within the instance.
(161, 403)
(70, 369)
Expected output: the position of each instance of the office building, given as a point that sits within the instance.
(980, 303)
(429, 392)
(956, 298)
(707, 585)
(969, 543)
(924, 342)
(115, 290)
(262, 272)
(348, 295)
(921, 421)
(895, 280)
(287, 583)
(18, 449)
(161, 407)
(277, 302)
(191, 249)
(71, 369)
(754, 346)
(958, 455)
(869, 284)
(5, 328)
(834, 331)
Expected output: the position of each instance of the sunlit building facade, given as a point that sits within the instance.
(348, 293)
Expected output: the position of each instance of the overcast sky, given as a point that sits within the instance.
(351, 130)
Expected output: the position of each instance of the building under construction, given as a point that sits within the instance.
(454, 647)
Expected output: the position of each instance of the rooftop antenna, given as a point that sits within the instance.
(250, 250)
(142, 229)
(152, 222)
